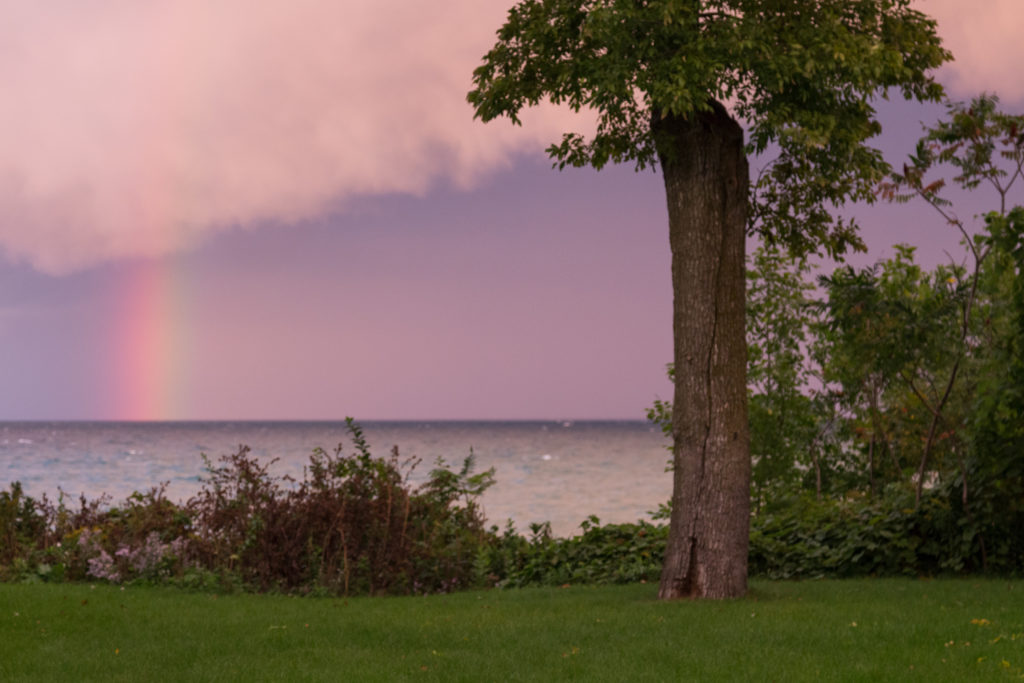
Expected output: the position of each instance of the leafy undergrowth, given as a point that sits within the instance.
(794, 539)
(853, 630)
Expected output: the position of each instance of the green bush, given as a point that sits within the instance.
(612, 553)
(887, 536)
(798, 538)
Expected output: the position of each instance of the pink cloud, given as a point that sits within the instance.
(984, 38)
(140, 128)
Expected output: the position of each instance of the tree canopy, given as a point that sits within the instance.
(800, 74)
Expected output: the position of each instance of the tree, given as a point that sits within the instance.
(894, 347)
(985, 147)
(784, 420)
(660, 74)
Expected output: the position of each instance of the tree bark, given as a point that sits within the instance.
(707, 184)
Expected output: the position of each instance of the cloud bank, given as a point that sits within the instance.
(140, 128)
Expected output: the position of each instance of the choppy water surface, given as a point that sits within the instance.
(545, 471)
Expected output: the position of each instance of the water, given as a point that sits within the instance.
(546, 471)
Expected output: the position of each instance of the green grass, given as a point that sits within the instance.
(855, 630)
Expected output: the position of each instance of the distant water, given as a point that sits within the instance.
(545, 471)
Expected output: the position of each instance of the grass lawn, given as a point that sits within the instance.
(863, 630)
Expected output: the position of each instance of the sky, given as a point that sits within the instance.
(285, 210)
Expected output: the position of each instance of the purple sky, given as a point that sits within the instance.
(334, 236)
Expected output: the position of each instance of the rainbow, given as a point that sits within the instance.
(149, 344)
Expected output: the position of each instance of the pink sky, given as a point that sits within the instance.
(285, 210)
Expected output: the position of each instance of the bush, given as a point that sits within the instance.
(353, 525)
(613, 553)
(798, 538)
(886, 536)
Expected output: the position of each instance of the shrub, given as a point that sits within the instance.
(613, 553)
(353, 525)
(886, 536)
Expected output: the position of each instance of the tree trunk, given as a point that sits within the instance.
(706, 183)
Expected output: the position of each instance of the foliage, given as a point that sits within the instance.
(353, 525)
(21, 524)
(996, 465)
(884, 536)
(802, 85)
(786, 414)
(928, 365)
(610, 553)
(794, 538)
(894, 352)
